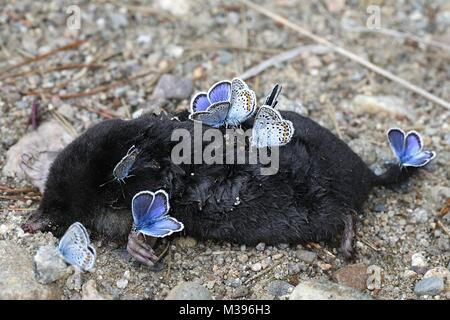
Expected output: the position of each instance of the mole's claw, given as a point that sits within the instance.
(139, 250)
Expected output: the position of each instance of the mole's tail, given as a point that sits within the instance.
(394, 175)
(407, 148)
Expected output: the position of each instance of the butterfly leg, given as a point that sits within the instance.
(348, 236)
(121, 188)
(140, 250)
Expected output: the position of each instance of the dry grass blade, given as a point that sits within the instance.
(400, 35)
(443, 227)
(119, 82)
(368, 244)
(64, 122)
(445, 209)
(69, 66)
(347, 54)
(282, 57)
(258, 275)
(219, 46)
(7, 190)
(70, 46)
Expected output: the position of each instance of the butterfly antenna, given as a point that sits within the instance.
(102, 185)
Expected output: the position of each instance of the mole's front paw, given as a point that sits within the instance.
(140, 250)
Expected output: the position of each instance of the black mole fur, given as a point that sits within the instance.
(321, 182)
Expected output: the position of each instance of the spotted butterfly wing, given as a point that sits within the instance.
(76, 249)
(243, 106)
(270, 129)
(236, 86)
(272, 98)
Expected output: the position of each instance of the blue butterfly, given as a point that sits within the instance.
(225, 103)
(123, 167)
(408, 148)
(269, 128)
(150, 214)
(76, 249)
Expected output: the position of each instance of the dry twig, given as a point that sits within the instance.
(69, 46)
(258, 275)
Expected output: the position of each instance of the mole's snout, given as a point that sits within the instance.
(36, 222)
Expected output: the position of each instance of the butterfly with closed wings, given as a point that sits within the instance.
(269, 128)
(408, 148)
(123, 168)
(76, 249)
(228, 103)
(150, 214)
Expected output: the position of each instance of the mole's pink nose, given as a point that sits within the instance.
(31, 226)
(35, 223)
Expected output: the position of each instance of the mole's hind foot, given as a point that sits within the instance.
(140, 250)
(348, 237)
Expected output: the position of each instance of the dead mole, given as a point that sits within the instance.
(316, 194)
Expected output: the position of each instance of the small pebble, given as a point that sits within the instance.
(122, 283)
(306, 256)
(429, 286)
(261, 246)
(256, 267)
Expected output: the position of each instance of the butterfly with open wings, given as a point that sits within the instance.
(227, 103)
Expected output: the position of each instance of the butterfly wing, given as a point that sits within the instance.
(413, 144)
(76, 233)
(419, 159)
(220, 92)
(243, 106)
(163, 227)
(214, 116)
(140, 206)
(236, 86)
(76, 249)
(277, 134)
(270, 129)
(147, 207)
(272, 98)
(122, 169)
(264, 117)
(82, 258)
(283, 133)
(200, 102)
(396, 139)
